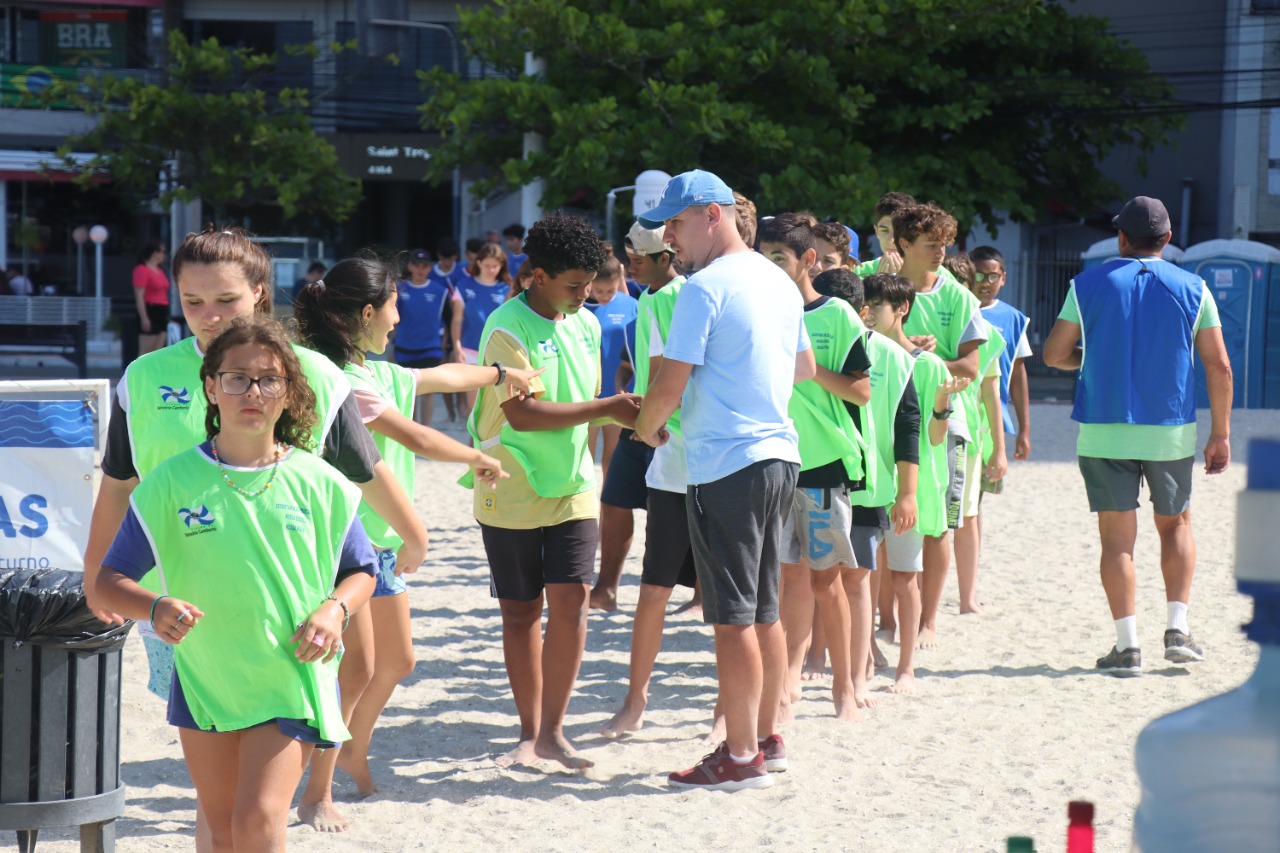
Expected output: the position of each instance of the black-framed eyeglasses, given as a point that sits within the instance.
(980, 277)
(235, 384)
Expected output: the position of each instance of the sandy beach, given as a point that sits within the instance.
(1008, 725)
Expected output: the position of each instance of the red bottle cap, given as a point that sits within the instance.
(1080, 811)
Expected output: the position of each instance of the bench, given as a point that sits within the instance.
(69, 339)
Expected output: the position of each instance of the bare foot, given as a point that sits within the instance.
(359, 773)
(629, 719)
(323, 817)
(718, 731)
(604, 599)
(905, 685)
(814, 675)
(847, 707)
(864, 697)
(972, 609)
(786, 712)
(524, 754)
(886, 634)
(557, 748)
(928, 639)
(693, 607)
(878, 659)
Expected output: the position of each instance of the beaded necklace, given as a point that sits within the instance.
(221, 468)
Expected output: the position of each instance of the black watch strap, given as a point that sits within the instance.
(943, 414)
(502, 372)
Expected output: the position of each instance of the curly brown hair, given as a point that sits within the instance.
(299, 415)
(921, 220)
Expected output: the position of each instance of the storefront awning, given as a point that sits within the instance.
(37, 166)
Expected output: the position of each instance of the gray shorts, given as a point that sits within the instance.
(905, 553)
(735, 528)
(1113, 485)
(817, 529)
(866, 543)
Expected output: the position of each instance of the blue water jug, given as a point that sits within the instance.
(1211, 773)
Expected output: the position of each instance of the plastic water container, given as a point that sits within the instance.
(1211, 773)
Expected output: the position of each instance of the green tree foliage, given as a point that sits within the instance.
(234, 141)
(982, 105)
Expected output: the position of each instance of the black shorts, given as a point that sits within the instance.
(406, 359)
(159, 317)
(522, 562)
(624, 485)
(735, 525)
(668, 555)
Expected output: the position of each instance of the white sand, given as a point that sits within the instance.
(1009, 723)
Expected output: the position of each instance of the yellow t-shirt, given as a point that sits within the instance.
(514, 505)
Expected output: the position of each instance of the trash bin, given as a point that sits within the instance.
(125, 310)
(59, 710)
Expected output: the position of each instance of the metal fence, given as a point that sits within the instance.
(1047, 278)
(34, 310)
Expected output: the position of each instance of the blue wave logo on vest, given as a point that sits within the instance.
(549, 348)
(180, 396)
(191, 517)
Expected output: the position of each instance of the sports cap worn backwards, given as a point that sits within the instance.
(1142, 216)
(648, 241)
(686, 190)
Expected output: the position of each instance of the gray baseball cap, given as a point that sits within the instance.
(1143, 216)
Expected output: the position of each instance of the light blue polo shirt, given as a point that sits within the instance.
(740, 323)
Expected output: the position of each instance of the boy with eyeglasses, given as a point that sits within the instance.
(988, 280)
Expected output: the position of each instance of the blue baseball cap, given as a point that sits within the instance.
(853, 242)
(686, 190)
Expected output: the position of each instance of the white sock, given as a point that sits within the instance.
(1178, 617)
(1127, 633)
(743, 759)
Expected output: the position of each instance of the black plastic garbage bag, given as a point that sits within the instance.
(47, 607)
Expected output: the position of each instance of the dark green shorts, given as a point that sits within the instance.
(1113, 485)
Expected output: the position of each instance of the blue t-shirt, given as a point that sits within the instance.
(514, 262)
(615, 318)
(740, 322)
(450, 278)
(478, 302)
(1012, 325)
(421, 308)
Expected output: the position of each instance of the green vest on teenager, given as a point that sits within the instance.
(974, 410)
(398, 386)
(944, 313)
(891, 369)
(928, 373)
(655, 305)
(165, 404)
(257, 567)
(557, 462)
(823, 423)
(872, 267)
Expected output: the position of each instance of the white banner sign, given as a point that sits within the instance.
(46, 488)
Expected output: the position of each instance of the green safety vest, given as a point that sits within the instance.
(975, 411)
(823, 423)
(165, 402)
(943, 313)
(891, 370)
(398, 386)
(928, 373)
(655, 305)
(557, 462)
(257, 567)
(872, 266)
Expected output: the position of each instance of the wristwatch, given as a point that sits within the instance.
(943, 415)
(502, 372)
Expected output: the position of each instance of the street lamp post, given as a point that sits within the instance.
(98, 234)
(81, 235)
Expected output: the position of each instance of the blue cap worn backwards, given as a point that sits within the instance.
(686, 190)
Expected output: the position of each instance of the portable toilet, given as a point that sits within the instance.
(1109, 249)
(1244, 278)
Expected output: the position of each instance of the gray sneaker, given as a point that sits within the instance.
(1181, 648)
(1122, 664)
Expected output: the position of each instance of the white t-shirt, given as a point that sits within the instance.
(739, 322)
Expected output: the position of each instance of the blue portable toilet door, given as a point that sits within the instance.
(1232, 285)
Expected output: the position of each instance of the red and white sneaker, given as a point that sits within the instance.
(719, 772)
(775, 754)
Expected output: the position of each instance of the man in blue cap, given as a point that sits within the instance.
(736, 346)
(1141, 320)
